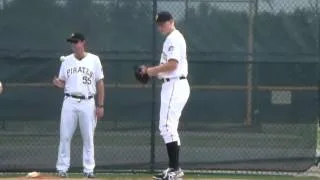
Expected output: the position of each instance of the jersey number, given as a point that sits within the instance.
(86, 80)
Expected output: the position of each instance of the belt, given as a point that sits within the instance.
(77, 97)
(169, 79)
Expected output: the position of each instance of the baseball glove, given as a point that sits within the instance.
(142, 78)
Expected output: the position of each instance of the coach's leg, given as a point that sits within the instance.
(68, 124)
(87, 122)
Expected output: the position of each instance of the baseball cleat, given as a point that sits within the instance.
(89, 175)
(163, 174)
(169, 174)
(62, 174)
(179, 173)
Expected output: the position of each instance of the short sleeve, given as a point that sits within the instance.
(99, 70)
(62, 75)
(173, 50)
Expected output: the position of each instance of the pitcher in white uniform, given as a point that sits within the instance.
(81, 75)
(175, 91)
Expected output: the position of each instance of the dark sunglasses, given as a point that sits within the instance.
(74, 41)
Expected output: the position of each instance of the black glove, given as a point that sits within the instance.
(141, 77)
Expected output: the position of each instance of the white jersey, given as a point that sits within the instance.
(174, 47)
(80, 76)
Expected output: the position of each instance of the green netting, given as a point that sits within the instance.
(282, 68)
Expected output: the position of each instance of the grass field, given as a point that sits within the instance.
(148, 177)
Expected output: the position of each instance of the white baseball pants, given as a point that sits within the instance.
(74, 111)
(174, 96)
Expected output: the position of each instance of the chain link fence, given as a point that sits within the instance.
(253, 70)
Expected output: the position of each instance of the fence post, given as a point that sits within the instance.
(318, 55)
(317, 158)
(3, 125)
(153, 114)
(252, 7)
(186, 6)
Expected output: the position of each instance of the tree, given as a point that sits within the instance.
(129, 25)
(209, 28)
(32, 24)
(78, 13)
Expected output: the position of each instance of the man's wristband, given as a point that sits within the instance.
(100, 106)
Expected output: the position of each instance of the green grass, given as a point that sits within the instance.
(187, 177)
(237, 139)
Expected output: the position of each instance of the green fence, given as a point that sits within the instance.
(253, 72)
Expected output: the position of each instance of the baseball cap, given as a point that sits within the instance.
(75, 37)
(163, 16)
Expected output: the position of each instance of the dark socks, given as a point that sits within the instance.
(177, 158)
(173, 153)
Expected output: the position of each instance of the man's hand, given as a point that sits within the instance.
(100, 99)
(58, 82)
(151, 71)
(171, 65)
(140, 74)
(143, 69)
(99, 112)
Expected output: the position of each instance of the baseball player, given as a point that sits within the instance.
(175, 91)
(80, 74)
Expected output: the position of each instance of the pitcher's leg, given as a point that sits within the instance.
(170, 112)
(168, 125)
(169, 132)
(167, 93)
(87, 122)
(68, 124)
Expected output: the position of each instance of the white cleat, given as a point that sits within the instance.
(169, 174)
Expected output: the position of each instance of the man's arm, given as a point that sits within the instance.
(173, 55)
(60, 80)
(99, 76)
(100, 99)
(171, 65)
(100, 96)
(100, 88)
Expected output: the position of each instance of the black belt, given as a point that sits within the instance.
(169, 79)
(78, 97)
